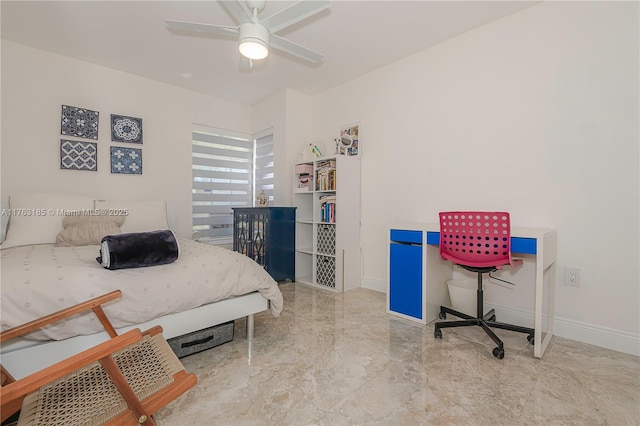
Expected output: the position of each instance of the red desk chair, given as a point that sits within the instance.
(479, 242)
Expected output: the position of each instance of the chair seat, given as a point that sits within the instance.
(88, 397)
(121, 381)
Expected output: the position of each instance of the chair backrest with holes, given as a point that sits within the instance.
(476, 239)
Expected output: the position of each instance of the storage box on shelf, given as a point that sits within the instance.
(304, 177)
(328, 223)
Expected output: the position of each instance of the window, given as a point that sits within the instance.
(263, 176)
(227, 168)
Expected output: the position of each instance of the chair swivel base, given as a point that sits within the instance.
(487, 321)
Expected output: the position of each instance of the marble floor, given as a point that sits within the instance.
(340, 359)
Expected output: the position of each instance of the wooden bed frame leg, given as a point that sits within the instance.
(250, 327)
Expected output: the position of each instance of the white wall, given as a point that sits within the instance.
(35, 84)
(289, 114)
(536, 114)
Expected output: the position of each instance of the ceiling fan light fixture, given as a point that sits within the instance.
(254, 41)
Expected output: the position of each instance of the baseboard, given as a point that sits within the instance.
(606, 337)
(621, 341)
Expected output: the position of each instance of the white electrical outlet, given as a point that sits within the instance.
(572, 277)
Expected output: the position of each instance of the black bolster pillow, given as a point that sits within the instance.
(137, 250)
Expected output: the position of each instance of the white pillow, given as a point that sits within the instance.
(140, 216)
(37, 218)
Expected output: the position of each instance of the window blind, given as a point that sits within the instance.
(222, 169)
(228, 168)
(263, 177)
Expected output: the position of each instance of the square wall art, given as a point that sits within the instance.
(126, 129)
(78, 155)
(79, 122)
(126, 160)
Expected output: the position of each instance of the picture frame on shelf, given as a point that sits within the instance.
(348, 140)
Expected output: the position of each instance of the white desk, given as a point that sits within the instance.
(419, 241)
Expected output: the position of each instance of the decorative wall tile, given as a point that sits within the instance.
(126, 129)
(78, 155)
(126, 160)
(79, 122)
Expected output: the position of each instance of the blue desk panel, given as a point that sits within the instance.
(409, 237)
(518, 245)
(405, 280)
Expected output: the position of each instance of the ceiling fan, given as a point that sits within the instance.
(256, 35)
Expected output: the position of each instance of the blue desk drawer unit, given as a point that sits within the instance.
(405, 273)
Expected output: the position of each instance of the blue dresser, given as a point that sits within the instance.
(267, 235)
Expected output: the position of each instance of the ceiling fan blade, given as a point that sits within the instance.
(201, 28)
(295, 49)
(294, 14)
(238, 10)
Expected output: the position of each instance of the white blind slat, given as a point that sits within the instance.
(221, 188)
(222, 150)
(241, 165)
(221, 175)
(211, 139)
(235, 200)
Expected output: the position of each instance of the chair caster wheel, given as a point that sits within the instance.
(437, 333)
(530, 339)
(498, 353)
(442, 315)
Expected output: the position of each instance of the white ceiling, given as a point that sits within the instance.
(356, 37)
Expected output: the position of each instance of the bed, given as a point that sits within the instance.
(207, 285)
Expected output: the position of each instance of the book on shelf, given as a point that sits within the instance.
(326, 179)
(328, 208)
(326, 175)
(326, 164)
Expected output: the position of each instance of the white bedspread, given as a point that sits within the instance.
(41, 279)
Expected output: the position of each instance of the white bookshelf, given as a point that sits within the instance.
(328, 251)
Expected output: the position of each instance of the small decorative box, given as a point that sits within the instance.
(303, 182)
(304, 169)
